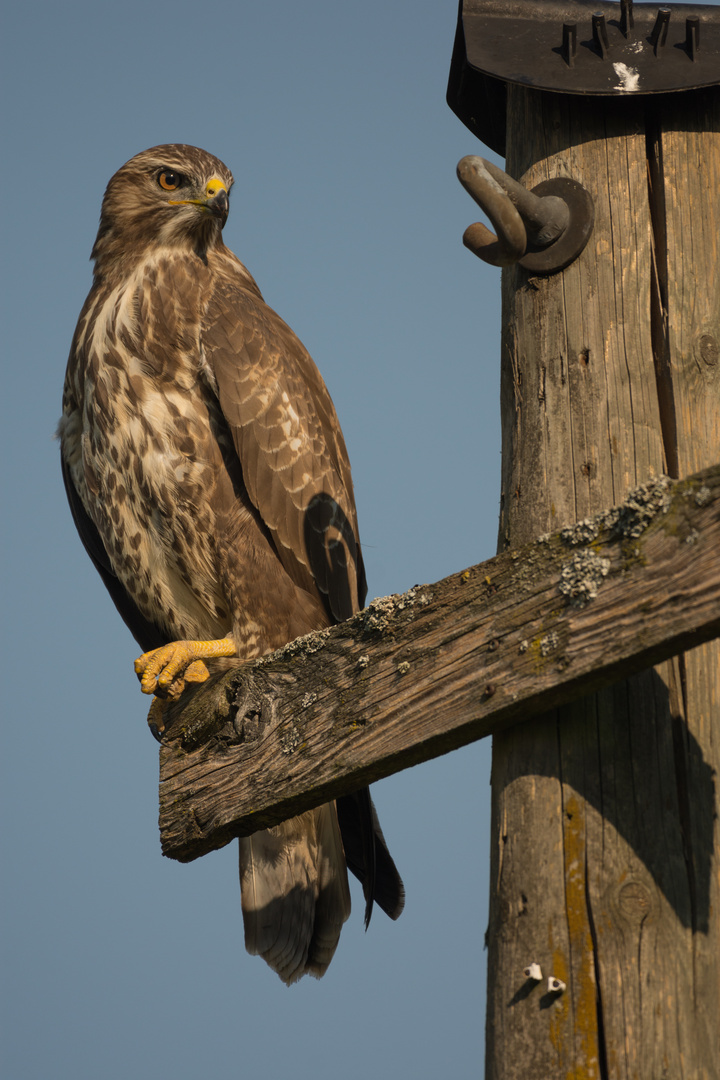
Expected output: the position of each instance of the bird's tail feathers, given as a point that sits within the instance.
(295, 895)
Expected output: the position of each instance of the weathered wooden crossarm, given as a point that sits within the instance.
(414, 676)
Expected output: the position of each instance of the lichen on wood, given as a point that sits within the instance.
(484, 649)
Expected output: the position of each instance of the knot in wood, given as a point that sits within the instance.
(634, 902)
(708, 350)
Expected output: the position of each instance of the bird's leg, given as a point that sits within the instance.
(165, 670)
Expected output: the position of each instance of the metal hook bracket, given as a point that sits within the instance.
(543, 230)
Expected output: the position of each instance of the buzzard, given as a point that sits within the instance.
(209, 481)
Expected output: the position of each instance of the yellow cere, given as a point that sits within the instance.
(211, 189)
(213, 186)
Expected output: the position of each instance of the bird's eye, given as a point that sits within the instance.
(169, 180)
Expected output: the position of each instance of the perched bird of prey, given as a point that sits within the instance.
(209, 481)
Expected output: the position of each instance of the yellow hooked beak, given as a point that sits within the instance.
(215, 202)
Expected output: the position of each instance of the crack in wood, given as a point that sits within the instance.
(659, 289)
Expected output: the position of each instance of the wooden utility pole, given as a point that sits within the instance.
(604, 851)
(604, 822)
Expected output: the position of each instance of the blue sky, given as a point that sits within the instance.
(119, 963)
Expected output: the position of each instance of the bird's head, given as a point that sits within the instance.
(173, 196)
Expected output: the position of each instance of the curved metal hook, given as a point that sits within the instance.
(510, 243)
(543, 229)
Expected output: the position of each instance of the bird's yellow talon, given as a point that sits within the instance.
(197, 672)
(156, 716)
(166, 670)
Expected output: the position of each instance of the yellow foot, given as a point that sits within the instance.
(166, 670)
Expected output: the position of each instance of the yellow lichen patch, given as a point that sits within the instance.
(558, 1012)
(545, 649)
(578, 971)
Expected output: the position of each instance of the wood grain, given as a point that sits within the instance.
(414, 676)
(604, 847)
(688, 148)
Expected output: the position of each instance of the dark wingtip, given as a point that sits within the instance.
(368, 857)
(368, 911)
